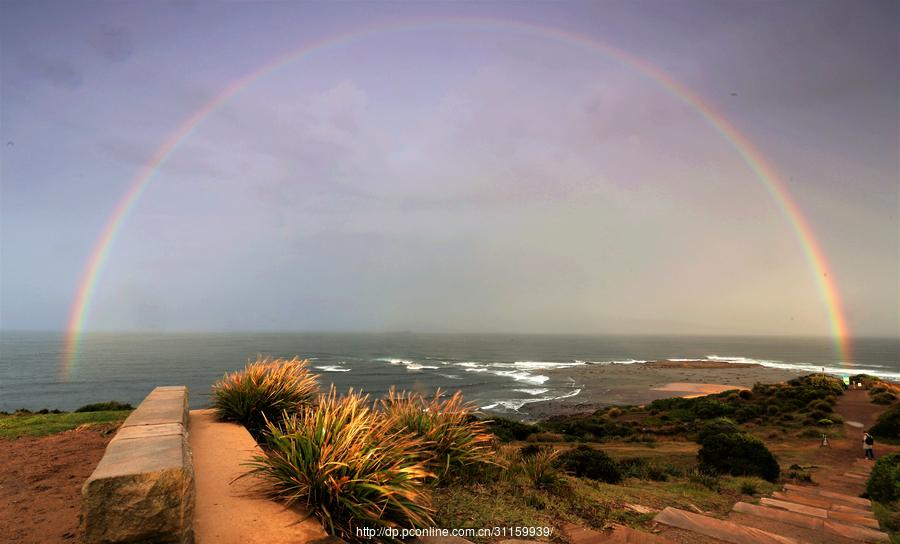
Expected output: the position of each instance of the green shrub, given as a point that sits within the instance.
(642, 469)
(540, 468)
(738, 454)
(719, 425)
(347, 465)
(888, 424)
(707, 479)
(453, 438)
(586, 462)
(884, 481)
(749, 488)
(884, 398)
(103, 407)
(825, 422)
(264, 391)
(819, 405)
(507, 430)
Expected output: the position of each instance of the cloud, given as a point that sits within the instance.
(113, 43)
(57, 71)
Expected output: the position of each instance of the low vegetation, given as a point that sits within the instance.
(738, 454)
(46, 422)
(348, 465)
(105, 407)
(884, 481)
(454, 440)
(887, 426)
(264, 391)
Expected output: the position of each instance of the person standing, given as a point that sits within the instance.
(869, 446)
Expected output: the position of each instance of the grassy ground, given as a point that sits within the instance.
(510, 500)
(33, 424)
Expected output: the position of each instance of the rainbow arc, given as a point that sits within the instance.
(754, 159)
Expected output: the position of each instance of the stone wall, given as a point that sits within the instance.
(143, 488)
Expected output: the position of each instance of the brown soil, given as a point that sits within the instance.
(40, 484)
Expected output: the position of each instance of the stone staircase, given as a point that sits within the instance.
(829, 513)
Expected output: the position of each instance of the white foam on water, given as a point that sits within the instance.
(417, 366)
(542, 365)
(531, 391)
(333, 368)
(451, 376)
(515, 404)
(850, 369)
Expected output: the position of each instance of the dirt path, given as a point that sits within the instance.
(40, 484)
(854, 405)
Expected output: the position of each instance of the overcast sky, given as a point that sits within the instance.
(449, 176)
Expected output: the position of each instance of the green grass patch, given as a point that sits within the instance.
(31, 424)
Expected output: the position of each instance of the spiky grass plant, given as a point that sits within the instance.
(347, 465)
(264, 390)
(540, 468)
(456, 441)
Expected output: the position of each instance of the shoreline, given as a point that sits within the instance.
(639, 383)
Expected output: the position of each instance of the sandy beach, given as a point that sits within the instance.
(639, 383)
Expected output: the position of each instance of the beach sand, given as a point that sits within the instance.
(640, 383)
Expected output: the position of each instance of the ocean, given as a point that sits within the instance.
(495, 371)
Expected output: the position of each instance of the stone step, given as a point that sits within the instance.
(853, 519)
(830, 526)
(620, 534)
(825, 492)
(856, 475)
(717, 528)
(847, 498)
(776, 514)
(801, 498)
(852, 510)
(794, 507)
(862, 534)
(830, 503)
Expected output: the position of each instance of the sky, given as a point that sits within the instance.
(447, 170)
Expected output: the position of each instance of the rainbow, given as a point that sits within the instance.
(763, 171)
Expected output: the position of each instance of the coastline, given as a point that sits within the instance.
(640, 383)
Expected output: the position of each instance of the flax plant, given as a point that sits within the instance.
(264, 390)
(455, 440)
(345, 464)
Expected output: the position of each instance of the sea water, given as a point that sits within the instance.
(498, 372)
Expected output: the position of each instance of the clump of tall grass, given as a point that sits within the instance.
(540, 467)
(263, 391)
(348, 465)
(456, 441)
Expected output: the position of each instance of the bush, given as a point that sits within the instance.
(709, 480)
(586, 462)
(507, 430)
(888, 424)
(347, 465)
(453, 438)
(738, 454)
(540, 468)
(884, 398)
(749, 488)
(884, 481)
(640, 468)
(104, 407)
(720, 425)
(263, 391)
